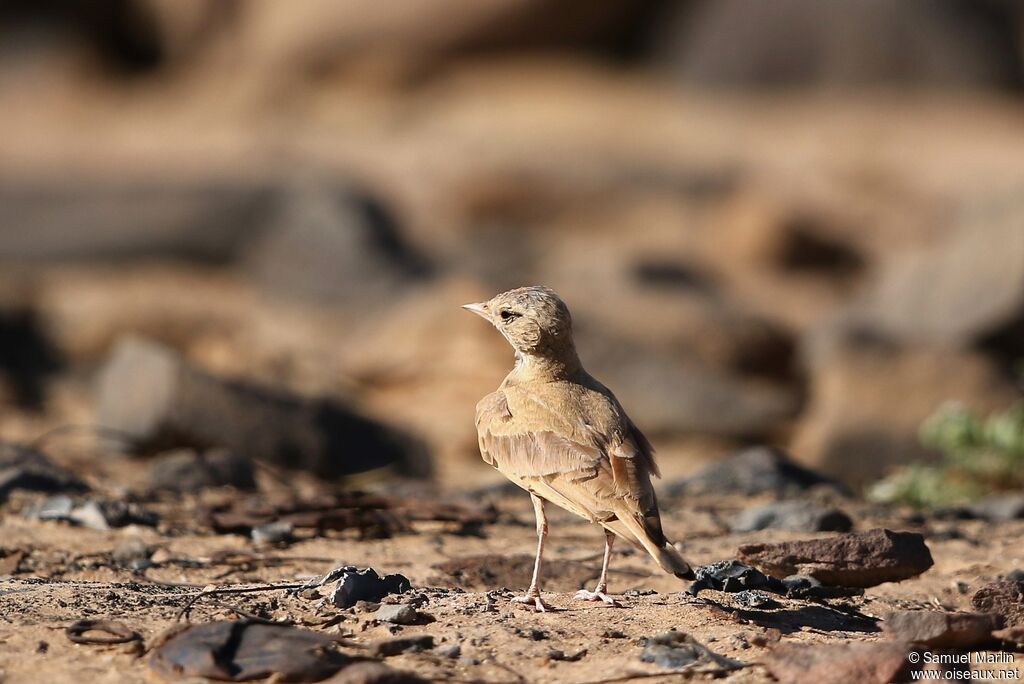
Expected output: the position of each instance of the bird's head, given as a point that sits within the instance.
(534, 320)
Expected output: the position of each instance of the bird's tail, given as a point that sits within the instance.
(660, 548)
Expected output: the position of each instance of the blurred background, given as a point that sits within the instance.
(797, 223)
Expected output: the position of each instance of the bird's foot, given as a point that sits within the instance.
(599, 595)
(533, 600)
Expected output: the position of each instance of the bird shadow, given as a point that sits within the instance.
(819, 616)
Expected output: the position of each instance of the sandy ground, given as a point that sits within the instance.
(67, 574)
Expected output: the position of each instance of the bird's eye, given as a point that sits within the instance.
(507, 315)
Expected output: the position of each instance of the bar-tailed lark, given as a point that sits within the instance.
(561, 435)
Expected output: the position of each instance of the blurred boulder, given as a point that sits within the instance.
(188, 470)
(838, 663)
(205, 220)
(868, 400)
(1004, 599)
(841, 43)
(28, 357)
(336, 245)
(669, 396)
(966, 288)
(757, 470)
(797, 516)
(159, 401)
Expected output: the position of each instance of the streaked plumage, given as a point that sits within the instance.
(561, 435)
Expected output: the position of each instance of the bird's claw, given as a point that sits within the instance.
(584, 595)
(533, 600)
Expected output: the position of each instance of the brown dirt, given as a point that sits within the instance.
(66, 574)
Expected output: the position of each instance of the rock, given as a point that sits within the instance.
(752, 599)
(858, 559)
(240, 651)
(876, 662)
(93, 220)
(188, 470)
(152, 395)
(804, 587)
(675, 650)
(99, 514)
(998, 508)
(355, 585)
(757, 470)
(334, 244)
(131, 552)
(385, 648)
(834, 43)
(670, 395)
(961, 631)
(798, 516)
(963, 289)
(449, 651)
(732, 576)
(273, 533)
(22, 467)
(1005, 599)
(374, 673)
(869, 399)
(28, 357)
(398, 614)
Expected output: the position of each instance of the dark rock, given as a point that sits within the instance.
(858, 559)
(752, 599)
(23, 467)
(999, 508)
(385, 648)
(732, 576)
(28, 357)
(354, 585)
(839, 663)
(240, 650)
(398, 614)
(758, 470)
(675, 650)
(149, 393)
(798, 516)
(1005, 599)
(940, 629)
(804, 587)
(187, 470)
(562, 656)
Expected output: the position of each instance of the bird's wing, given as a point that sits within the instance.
(591, 460)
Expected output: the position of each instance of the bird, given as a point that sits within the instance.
(558, 433)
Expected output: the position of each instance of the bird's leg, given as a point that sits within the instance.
(599, 593)
(532, 596)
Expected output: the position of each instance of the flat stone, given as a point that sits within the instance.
(940, 629)
(385, 648)
(856, 559)
(398, 614)
(839, 663)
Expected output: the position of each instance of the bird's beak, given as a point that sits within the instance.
(479, 309)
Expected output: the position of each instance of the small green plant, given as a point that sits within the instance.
(979, 456)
